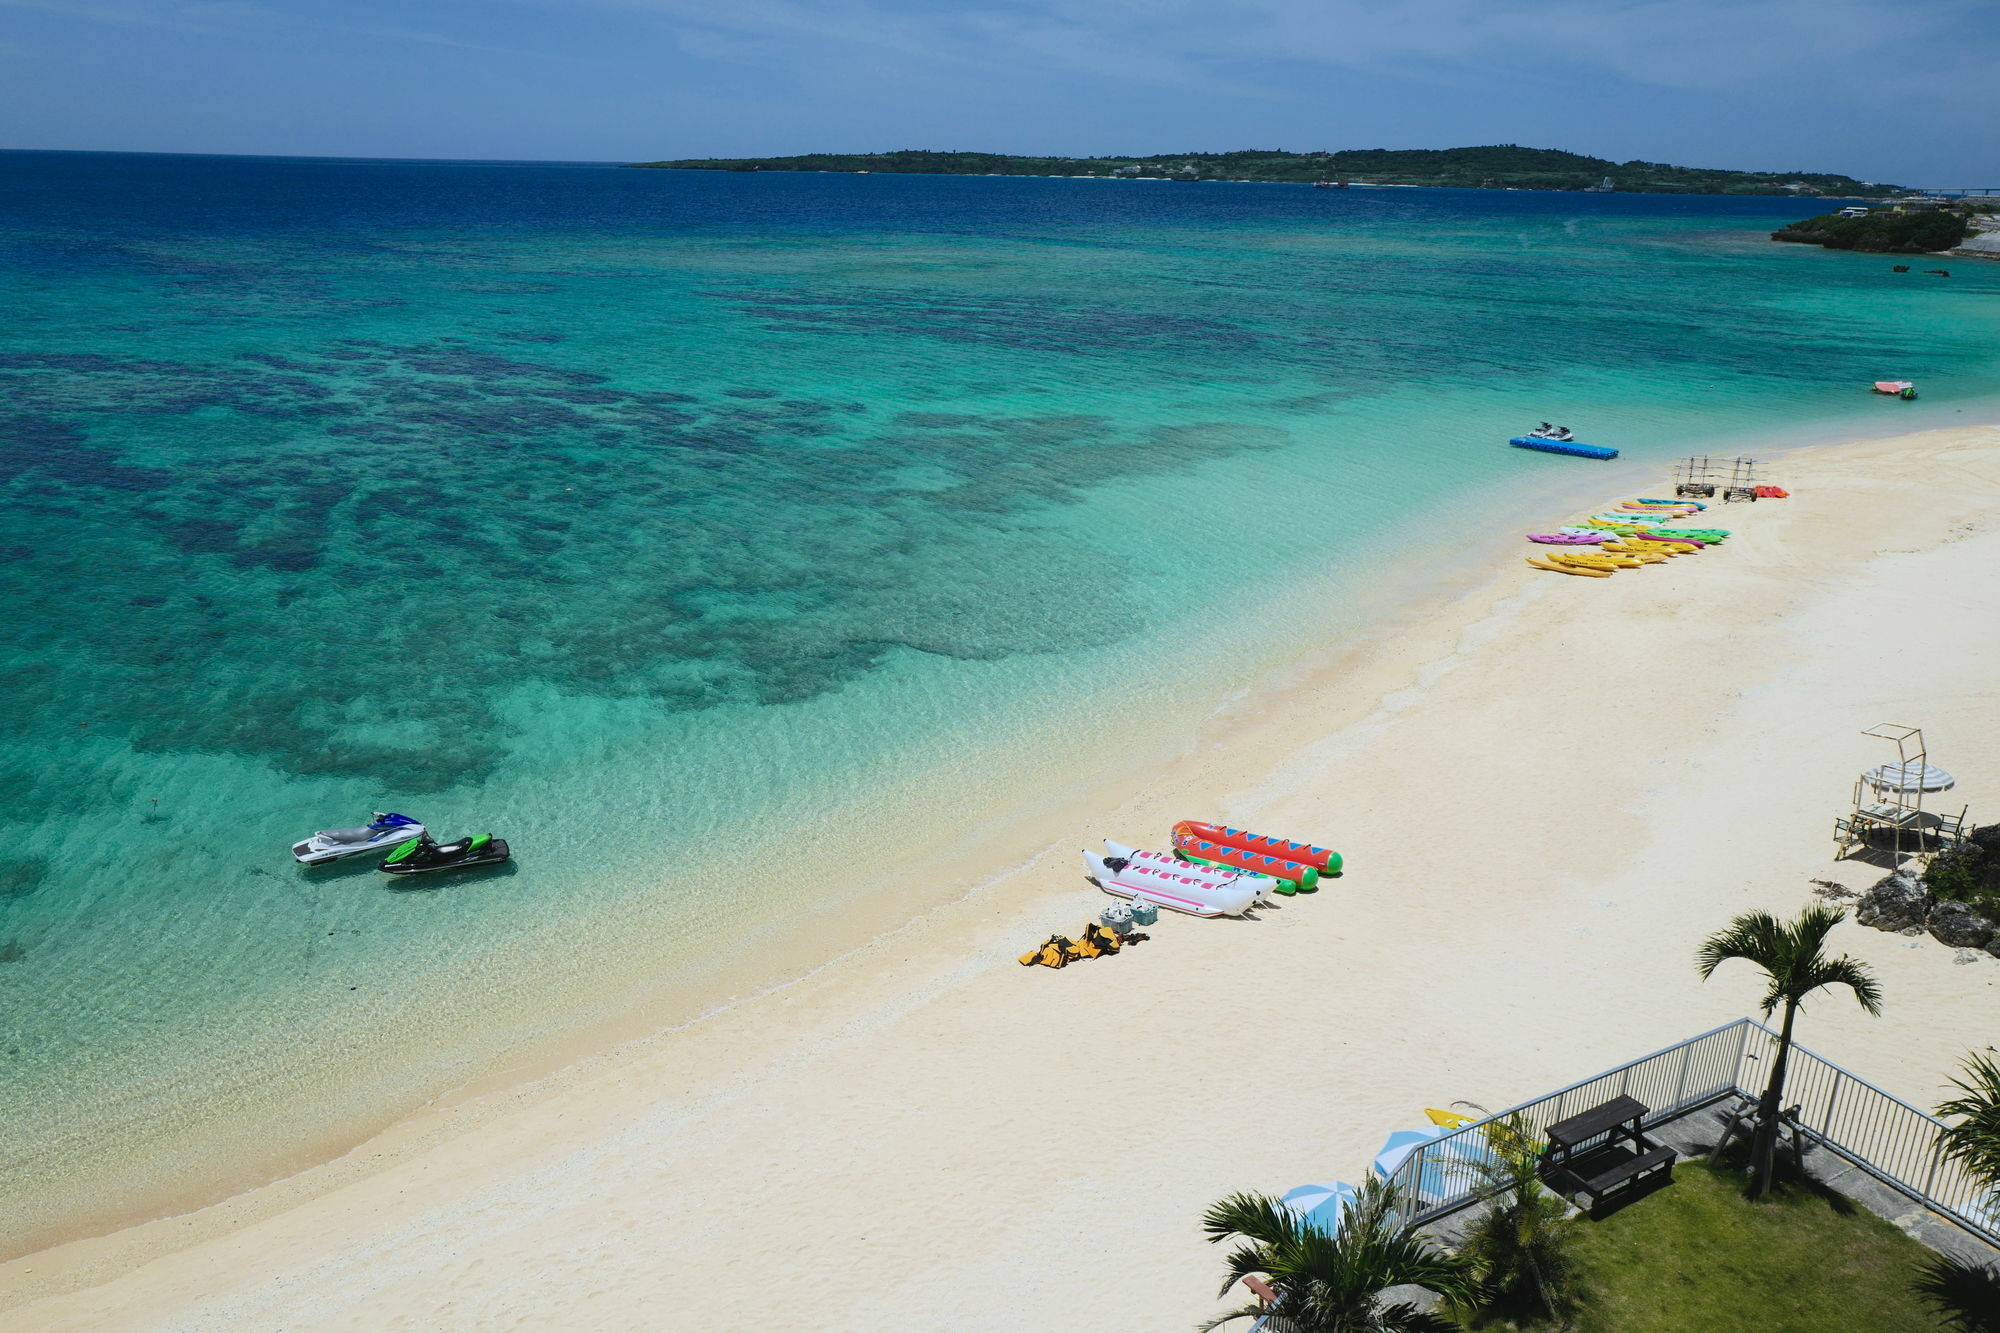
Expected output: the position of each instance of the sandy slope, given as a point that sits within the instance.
(1548, 792)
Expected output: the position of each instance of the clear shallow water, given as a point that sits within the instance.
(650, 518)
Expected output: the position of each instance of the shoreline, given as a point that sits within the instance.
(1245, 757)
(972, 859)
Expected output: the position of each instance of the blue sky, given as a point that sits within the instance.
(1882, 89)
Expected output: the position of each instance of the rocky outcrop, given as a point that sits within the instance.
(1895, 902)
(1959, 926)
(1920, 233)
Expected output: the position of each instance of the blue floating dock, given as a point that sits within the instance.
(1562, 447)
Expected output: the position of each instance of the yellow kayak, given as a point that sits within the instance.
(1540, 563)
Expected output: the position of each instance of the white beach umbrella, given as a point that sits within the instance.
(1321, 1205)
(1912, 776)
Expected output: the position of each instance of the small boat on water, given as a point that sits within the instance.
(1903, 389)
(1574, 448)
(335, 843)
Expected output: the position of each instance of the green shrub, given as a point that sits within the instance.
(1970, 873)
(1950, 877)
(1886, 233)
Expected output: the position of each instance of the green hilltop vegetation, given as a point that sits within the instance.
(1501, 166)
(1920, 233)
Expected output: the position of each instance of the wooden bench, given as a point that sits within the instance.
(1627, 1172)
(1602, 1153)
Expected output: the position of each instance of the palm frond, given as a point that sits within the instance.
(1242, 1262)
(1792, 956)
(1524, 1249)
(1966, 1296)
(1368, 1215)
(1406, 1318)
(1845, 971)
(1257, 1217)
(1815, 922)
(1975, 1140)
(1330, 1280)
(1753, 936)
(1241, 1312)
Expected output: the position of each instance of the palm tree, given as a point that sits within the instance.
(1522, 1246)
(1792, 954)
(1328, 1282)
(1975, 1140)
(1965, 1296)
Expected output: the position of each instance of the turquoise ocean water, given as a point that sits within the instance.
(676, 526)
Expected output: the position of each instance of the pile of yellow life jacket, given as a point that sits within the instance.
(1061, 951)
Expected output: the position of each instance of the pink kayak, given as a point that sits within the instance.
(1568, 538)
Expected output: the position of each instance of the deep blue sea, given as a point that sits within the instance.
(676, 526)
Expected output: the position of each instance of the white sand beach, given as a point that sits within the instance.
(1547, 793)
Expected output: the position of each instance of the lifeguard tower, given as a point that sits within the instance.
(1889, 817)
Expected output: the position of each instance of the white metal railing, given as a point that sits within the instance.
(1880, 1133)
(1883, 1135)
(1840, 1111)
(1442, 1176)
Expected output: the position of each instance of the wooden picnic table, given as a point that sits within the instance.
(1603, 1151)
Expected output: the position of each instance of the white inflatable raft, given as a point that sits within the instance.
(1176, 885)
(1216, 875)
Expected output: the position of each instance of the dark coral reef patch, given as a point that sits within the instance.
(365, 549)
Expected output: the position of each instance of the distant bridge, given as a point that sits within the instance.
(1958, 191)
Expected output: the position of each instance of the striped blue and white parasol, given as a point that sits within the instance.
(1449, 1169)
(1321, 1205)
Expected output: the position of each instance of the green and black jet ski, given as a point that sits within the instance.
(422, 855)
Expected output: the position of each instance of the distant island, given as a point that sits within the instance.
(1501, 166)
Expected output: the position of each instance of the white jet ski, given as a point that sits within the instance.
(332, 844)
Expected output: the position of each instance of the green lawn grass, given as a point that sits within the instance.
(1697, 1257)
